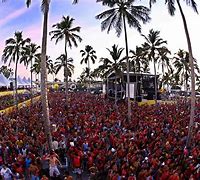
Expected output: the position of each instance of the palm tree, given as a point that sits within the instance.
(60, 62)
(36, 67)
(169, 79)
(115, 64)
(82, 79)
(120, 13)
(152, 47)
(172, 9)
(137, 63)
(138, 60)
(65, 30)
(88, 54)
(12, 52)
(30, 55)
(45, 107)
(182, 66)
(164, 60)
(44, 99)
(7, 72)
(50, 66)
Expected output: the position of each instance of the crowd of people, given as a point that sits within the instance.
(8, 100)
(94, 139)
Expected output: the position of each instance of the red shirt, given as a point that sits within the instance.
(77, 162)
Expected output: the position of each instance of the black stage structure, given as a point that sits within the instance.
(142, 86)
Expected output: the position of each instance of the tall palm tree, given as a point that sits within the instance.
(12, 52)
(137, 63)
(171, 8)
(120, 13)
(169, 79)
(30, 55)
(45, 108)
(89, 54)
(182, 66)
(50, 66)
(36, 67)
(115, 64)
(165, 62)
(138, 60)
(65, 31)
(181, 63)
(164, 59)
(153, 44)
(61, 63)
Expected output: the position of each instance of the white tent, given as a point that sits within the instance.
(26, 81)
(20, 82)
(4, 81)
(29, 80)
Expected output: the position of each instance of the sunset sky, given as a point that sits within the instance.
(15, 16)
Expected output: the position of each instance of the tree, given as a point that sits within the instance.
(172, 9)
(153, 44)
(30, 55)
(89, 54)
(7, 72)
(44, 98)
(65, 30)
(12, 52)
(182, 66)
(183, 70)
(164, 60)
(138, 61)
(36, 68)
(45, 108)
(120, 13)
(115, 64)
(50, 66)
(37, 64)
(61, 63)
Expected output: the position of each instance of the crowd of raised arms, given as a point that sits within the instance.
(93, 139)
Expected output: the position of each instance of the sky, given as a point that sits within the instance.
(15, 16)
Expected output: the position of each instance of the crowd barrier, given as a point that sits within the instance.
(4, 93)
(20, 105)
(148, 102)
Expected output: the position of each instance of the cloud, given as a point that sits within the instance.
(12, 16)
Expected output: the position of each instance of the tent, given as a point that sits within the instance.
(20, 82)
(29, 80)
(26, 81)
(4, 81)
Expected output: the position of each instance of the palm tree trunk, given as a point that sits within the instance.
(15, 94)
(155, 80)
(44, 99)
(115, 89)
(191, 60)
(184, 79)
(66, 75)
(127, 71)
(136, 88)
(89, 76)
(31, 83)
(163, 73)
(107, 88)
